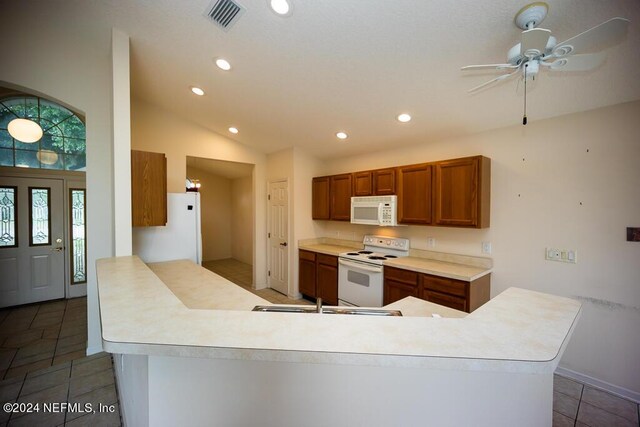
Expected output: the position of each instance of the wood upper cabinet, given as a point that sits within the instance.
(362, 184)
(148, 189)
(321, 198)
(307, 273)
(462, 192)
(384, 182)
(340, 186)
(414, 194)
(327, 278)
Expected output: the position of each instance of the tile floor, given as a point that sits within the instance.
(42, 360)
(42, 349)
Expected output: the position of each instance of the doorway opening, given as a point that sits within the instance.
(227, 217)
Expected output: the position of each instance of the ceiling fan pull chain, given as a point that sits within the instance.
(524, 118)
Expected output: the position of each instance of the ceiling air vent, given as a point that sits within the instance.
(224, 13)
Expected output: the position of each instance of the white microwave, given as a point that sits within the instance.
(374, 210)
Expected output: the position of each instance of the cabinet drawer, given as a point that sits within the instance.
(311, 256)
(444, 299)
(327, 259)
(406, 276)
(448, 286)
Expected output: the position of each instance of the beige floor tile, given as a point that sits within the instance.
(77, 302)
(10, 325)
(9, 389)
(72, 339)
(98, 419)
(91, 367)
(567, 386)
(69, 356)
(50, 369)
(38, 347)
(39, 419)
(21, 371)
(87, 359)
(27, 360)
(45, 381)
(47, 319)
(6, 356)
(23, 338)
(87, 383)
(71, 329)
(52, 394)
(51, 331)
(596, 417)
(71, 348)
(104, 395)
(47, 307)
(565, 405)
(560, 420)
(611, 403)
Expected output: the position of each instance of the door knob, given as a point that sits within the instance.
(283, 244)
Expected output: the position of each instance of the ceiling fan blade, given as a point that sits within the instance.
(497, 79)
(583, 62)
(489, 66)
(534, 42)
(594, 39)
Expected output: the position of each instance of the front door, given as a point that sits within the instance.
(31, 240)
(278, 236)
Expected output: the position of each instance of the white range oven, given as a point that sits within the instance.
(360, 273)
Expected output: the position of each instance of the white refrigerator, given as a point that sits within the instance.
(181, 238)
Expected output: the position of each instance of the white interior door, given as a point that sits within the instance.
(31, 240)
(278, 236)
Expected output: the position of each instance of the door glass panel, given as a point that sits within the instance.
(39, 206)
(8, 217)
(78, 241)
(358, 278)
(368, 213)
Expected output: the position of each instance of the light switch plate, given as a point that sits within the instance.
(561, 255)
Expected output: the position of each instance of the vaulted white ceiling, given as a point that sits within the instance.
(353, 65)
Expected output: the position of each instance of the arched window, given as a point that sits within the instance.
(63, 143)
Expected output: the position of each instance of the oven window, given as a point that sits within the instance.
(358, 278)
(367, 213)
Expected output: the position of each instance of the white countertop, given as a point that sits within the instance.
(517, 330)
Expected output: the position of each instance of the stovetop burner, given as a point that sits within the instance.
(377, 249)
(365, 252)
(377, 257)
(390, 256)
(353, 253)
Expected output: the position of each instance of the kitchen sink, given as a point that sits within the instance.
(326, 310)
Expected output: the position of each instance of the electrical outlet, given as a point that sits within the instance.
(486, 247)
(561, 255)
(431, 242)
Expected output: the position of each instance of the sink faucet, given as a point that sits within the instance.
(319, 305)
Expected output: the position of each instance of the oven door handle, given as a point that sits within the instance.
(360, 266)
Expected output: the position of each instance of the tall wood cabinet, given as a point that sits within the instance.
(148, 189)
(321, 198)
(340, 189)
(414, 194)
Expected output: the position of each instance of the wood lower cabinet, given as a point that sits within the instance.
(321, 198)
(462, 192)
(414, 194)
(340, 189)
(457, 294)
(307, 273)
(327, 278)
(318, 276)
(148, 189)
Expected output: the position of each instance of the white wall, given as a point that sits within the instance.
(242, 219)
(569, 182)
(215, 212)
(154, 129)
(45, 52)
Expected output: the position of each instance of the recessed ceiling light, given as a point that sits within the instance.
(223, 64)
(233, 130)
(404, 118)
(197, 90)
(281, 7)
(342, 135)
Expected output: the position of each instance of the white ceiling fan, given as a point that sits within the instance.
(539, 49)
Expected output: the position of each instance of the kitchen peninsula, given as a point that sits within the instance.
(187, 347)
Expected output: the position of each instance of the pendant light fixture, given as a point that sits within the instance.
(25, 130)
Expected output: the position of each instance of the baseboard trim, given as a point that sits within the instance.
(603, 385)
(94, 350)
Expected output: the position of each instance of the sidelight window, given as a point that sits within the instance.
(8, 216)
(78, 240)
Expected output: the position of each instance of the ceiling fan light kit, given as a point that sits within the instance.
(538, 47)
